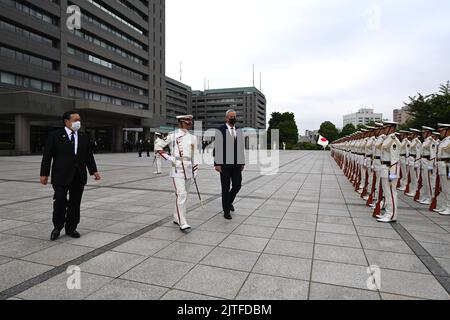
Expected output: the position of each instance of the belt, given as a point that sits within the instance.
(426, 157)
(377, 158)
(386, 163)
(412, 154)
(444, 159)
(403, 155)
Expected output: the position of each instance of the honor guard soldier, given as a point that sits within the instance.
(404, 155)
(389, 171)
(184, 159)
(443, 164)
(429, 151)
(369, 155)
(157, 159)
(415, 154)
(362, 154)
(377, 163)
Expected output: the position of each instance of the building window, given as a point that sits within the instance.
(21, 81)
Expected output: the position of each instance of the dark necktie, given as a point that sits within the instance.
(72, 141)
(233, 132)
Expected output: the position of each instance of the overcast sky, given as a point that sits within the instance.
(320, 59)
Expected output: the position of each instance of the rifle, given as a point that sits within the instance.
(419, 187)
(400, 178)
(408, 182)
(366, 184)
(377, 210)
(372, 192)
(437, 192)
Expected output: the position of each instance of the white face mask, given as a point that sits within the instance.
(76, 126)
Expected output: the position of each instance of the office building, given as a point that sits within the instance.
(363, 117)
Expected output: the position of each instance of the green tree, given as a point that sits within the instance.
(285, 123)
(329, 131)
(348, 129)
(431, 109)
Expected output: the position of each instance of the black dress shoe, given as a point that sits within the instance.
(73, 234)
(55, 234)
(231, 208)
(227, 216)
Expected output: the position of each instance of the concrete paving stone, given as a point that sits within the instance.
(437, 250)
(412, 284)
(22, 247)
(293, 235)
(268, 214)
(445, 263)
(160, 272)
(231, 259)
(335, 220)
(369, 222)
(297, 225)
(320, 291)
(239, 242)
(385, 245)
(397, 261)
(264, 287)
(95, 224)
(4, 260)
(290, 248)
(96, 239)
(184, 295)
(144, 219)
(7, 225)
(340, 254)
(58, 254)
(203, 237)
(123, 228)
(394, 297)
(34, 230)
(111, 264)
(424, 227)
(143, 246)
(263, 222)
(56, 288)
(164, 233)
(225, 226)
(254, 231)
(187, 252)
(301, 216)
(340, 274)
(15, 272)
(128, 290)
(437, 238)
(336, 228)
(378, 233)
(213, 281)
(289, 267)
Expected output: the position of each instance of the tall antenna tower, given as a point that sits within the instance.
(181, 71)
(253, 75)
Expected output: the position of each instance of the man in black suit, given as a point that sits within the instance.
(71, 153)
(229, 160)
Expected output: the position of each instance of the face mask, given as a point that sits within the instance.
(233, 121)
(76, 126)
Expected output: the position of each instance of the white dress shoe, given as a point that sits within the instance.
(439, 210)
(366, 198)
(380, 216)
(425, 202)
(385, 219)
(402, 189)
(445, 213)
(410, 194)
(185, 227)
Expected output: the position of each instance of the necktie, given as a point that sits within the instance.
(233, 132)
(72, 141)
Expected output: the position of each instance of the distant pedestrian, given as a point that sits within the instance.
(140, 147)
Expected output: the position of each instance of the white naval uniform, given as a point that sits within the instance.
(415, 153)
(444, 175)
(157, 155)
(362, 151)
(404, 155)
(368, 151)
(183, 156)
(377, 146)
(390, 157)
(427, 165)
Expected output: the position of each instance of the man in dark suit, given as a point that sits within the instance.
(229, 160)
(71, 153)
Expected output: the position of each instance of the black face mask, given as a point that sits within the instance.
(233, 121)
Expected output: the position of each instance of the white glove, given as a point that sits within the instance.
(392, 177)
(172, 159)
(195, 171)
(417, 166)
(430, 168)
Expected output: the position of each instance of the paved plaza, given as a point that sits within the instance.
(302, 233)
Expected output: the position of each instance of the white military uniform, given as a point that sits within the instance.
(158, 141)
(369, 160)
(415, 153)
(377, 164)
(183, 157)
(390, 157)
(362, 151)
(404, 155)
(444, 175)
(428, 177)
